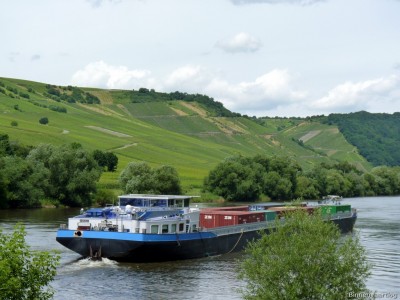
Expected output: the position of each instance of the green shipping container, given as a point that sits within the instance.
(270, 215)
(333, 209)
(343, 208)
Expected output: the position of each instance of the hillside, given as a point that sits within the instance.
(376, 135)
(190, 132)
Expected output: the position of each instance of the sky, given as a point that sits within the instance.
(258, 57)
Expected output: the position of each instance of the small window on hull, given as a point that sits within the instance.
(154, 228)
(164, 229)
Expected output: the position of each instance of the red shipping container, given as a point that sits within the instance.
(208, 220)
(212, 219)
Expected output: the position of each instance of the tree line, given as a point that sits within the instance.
(241, 178)
(150, 95)
(64, 174)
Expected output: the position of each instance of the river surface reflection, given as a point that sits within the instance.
(210, 278)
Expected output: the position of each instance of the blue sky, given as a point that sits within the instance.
(258, 57)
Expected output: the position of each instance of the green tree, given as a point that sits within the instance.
(305, 188)
(388, 180)
(236, 178)
(24, 181)
(25, 274)
(5, 148)
(3, 190)
(140, 178)
(106, 159)
(276, 186)
(167, 181)
(304, 258)
(73, 173)
(134, 171)
(112, 161)
(44, 121)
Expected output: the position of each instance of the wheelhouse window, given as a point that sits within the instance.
(132, 201)
(164, 228)
(179, 202)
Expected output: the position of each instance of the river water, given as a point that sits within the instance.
(378, 225)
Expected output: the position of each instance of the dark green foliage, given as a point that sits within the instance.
(140, 178)
(73, 173)
(12, 90)
(167, 181)
(91, 99)
(3, 189)
(279, 178)
(245, 179)
(304, 258)
(14, 123)
(235, 179)
(24, 273)
(70, 94)
(77, 94)
(5, 148)
(52, 90)
(24, 95)
(58, 108)
(8, 147)
(25, 182)
(44, 120)
(377, 136)
(106, 160)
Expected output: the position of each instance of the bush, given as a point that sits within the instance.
(14, 123)
(25, 274)
(44, 121)
(304, 258)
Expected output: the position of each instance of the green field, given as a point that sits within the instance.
(184, 135)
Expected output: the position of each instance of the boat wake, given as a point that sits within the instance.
(95, 263)
(87, 263)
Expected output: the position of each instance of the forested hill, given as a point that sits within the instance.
(376, 135)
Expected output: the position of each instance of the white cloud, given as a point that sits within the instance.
(300, 2)
(382, 94)
(101, 74)
(189, 79)
(241, 42)
(35, 57)
(269, 90)
(98, 3)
